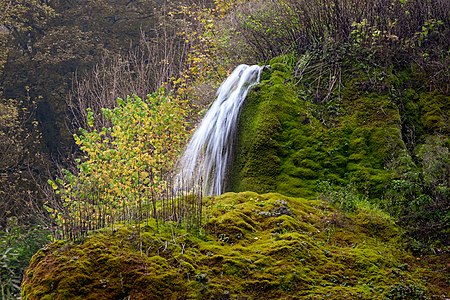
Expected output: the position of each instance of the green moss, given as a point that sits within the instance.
(285, 145)
(435, 112)
(288, 248)
(289, 140)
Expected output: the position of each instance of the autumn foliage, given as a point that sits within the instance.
(126, 168)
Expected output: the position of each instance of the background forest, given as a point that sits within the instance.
(64, 64)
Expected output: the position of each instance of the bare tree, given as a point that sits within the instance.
(146, 67)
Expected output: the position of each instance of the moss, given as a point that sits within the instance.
(435, 112)
(290, 248)
(288, 140)
(260, 164)
(273, 246)
(284, 145)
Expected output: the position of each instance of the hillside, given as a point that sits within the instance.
(254, 247)
(386, 140)
(338, 179)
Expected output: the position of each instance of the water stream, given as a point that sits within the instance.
(208, 156)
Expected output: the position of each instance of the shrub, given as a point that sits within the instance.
(125, 169)
(406, 291)
(419, 195)
(17, 246)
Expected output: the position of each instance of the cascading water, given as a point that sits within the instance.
(208, 154)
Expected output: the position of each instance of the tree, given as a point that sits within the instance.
(17, 20)
(125, 168)
(45, 55)
(147, 66)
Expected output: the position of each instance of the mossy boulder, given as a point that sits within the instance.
(254, 246)
(288, 139)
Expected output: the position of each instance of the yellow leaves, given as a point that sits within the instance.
(204, 41)
(122, 162)
(223, 6)
(77, 140)
(52, 184)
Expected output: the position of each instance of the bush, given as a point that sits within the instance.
(407, 292)
(419, 195)
(346, 198)
(17, 246)
(126, 168)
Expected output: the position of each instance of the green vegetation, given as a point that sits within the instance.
(290, 142)
(354, 110)
(17, 246)
(254, 246)
(125, 169)
(58, 58)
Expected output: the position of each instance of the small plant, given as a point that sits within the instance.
(419, 195)
(224, 238)
(9, 277)
(17, 246)
(125, 174)
(407, 292)
(201, 277)
(347, 198)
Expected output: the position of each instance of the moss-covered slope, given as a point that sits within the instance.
(254, 247)
(359, 133)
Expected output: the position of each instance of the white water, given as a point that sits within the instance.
(207, 157)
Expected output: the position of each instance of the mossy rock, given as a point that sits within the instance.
(278, 248)
(288, 140)
(435, 112)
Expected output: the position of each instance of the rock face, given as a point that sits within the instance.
(377, 131)
(292, 136)
(254, 247)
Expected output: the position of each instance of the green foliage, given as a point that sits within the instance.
(126, 167)
(17, 246)
(9, 280)
(419, 194)
(345, 198)
(360, 110)
(405, 291)
(373, 33)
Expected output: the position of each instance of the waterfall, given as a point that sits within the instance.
(207, 157)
